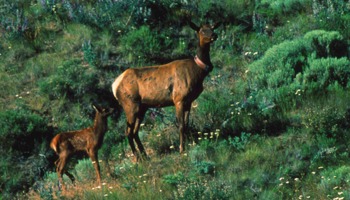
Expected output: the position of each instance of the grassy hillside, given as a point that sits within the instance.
(272, 122)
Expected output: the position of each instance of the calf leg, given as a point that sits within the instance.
(93, 156)
(60, 164)
(70, 176)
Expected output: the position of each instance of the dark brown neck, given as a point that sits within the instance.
(203, 54)
(100, 125)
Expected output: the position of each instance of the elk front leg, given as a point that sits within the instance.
(180, 115)
(187, 109)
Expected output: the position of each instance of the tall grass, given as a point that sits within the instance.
(267, 167)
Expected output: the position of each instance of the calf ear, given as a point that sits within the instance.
(193, 26)
(216, 25)
(97, 108)
(110, 110)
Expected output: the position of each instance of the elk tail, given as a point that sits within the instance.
(116, 84)
(54, 143)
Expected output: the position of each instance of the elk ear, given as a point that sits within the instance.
(216, 25)
(193, 26)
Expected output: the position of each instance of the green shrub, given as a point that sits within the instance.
(85, 170)
(279, 81)
(73, 37)
(279, 65)
(326, 121)
(89, 54)
(205, 167)
(240, 143)
(326, 43)
(24, 137)
(283, 6)
(71, 80)
(333, 177)
(332, 15)
(141, 43)
(325, 72)
(270, 14)
(174, 179)
(21, 129)
(41, 65)
(209, 112)
(163, 142)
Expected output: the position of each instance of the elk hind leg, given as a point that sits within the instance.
(131, 113)
(138, 121)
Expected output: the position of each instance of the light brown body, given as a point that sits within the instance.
(88, 140)
(177, 83)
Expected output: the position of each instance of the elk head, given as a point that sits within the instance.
(205, 33)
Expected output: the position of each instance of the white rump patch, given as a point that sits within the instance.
(116, 83)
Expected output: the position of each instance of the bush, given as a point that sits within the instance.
(283, 6)
(144, 45)
(71, 80)
(332, 15)
(85, 170)
(21, 129)
(174, 179)
(24, 149)
(279, 80)
(328, 120)
(335, 179)
(326, 43)
(325, 72)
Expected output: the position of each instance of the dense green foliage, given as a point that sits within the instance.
(272, 122)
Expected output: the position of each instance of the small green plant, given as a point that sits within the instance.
(85, 171)
(241, 142)
(174, 179)
(205, 167)
(326, 121)
(89, 54)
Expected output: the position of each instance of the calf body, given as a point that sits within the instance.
(88, 140)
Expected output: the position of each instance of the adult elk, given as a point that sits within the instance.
(177, 84)
(88, 140)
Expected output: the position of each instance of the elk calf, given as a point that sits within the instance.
(89, 140)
